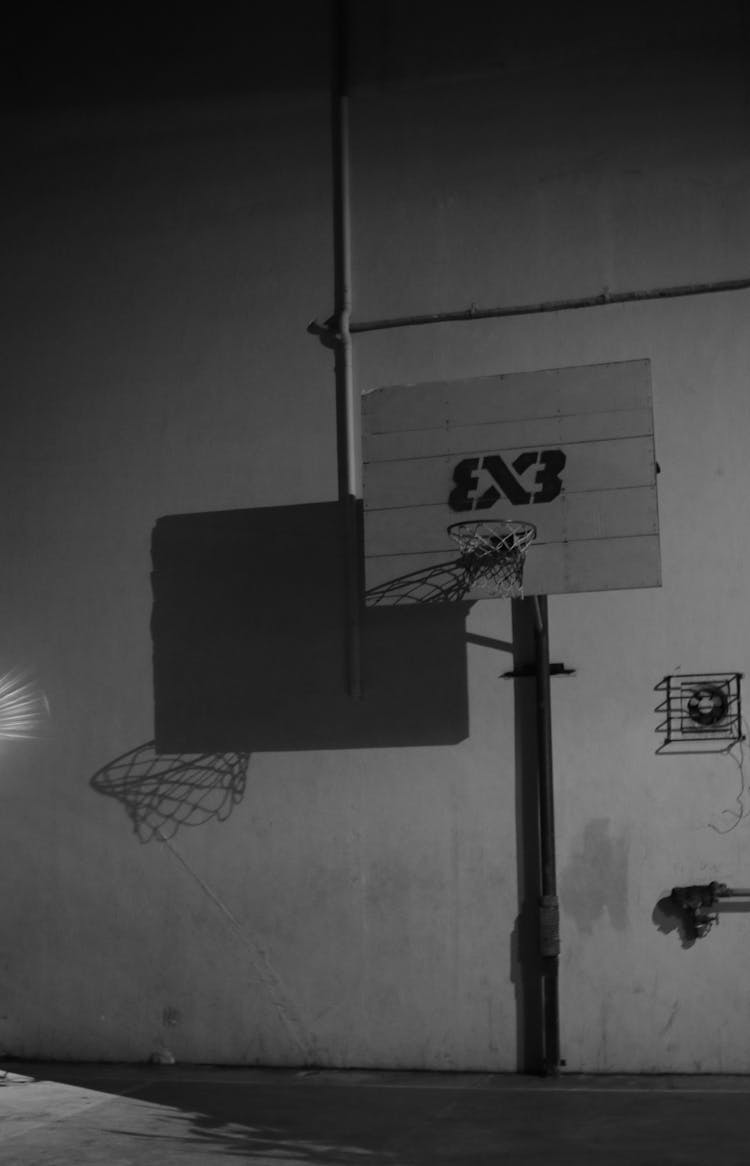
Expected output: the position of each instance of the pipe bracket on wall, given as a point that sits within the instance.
(326, 332)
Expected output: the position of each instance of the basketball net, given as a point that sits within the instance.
(493, 555)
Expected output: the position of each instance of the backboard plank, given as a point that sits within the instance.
(590, 465)
(447, 440)
(583, 516)
(624, 385)
(553, 568)
(570, 450)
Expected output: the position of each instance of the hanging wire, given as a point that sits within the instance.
(739, 760)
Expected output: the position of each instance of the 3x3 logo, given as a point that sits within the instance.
(505, 480)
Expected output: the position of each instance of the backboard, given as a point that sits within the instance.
(570, 450)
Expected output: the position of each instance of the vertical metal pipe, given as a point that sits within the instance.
(549, 924)
(347, 451)
(527, 961)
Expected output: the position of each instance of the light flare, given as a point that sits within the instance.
(23, 707)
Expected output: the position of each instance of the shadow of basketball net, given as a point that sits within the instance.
(490, 563)
(163, 792)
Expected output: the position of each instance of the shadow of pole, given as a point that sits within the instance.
(162, 792)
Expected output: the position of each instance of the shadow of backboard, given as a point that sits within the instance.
(249, 639)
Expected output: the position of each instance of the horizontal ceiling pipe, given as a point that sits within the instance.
(598, 301)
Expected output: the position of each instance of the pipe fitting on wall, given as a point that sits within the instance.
(699, 904)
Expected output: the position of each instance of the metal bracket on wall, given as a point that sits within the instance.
(530, 670)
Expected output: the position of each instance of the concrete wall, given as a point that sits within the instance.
(357, 906)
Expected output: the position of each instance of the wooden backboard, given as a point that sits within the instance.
(571, 450)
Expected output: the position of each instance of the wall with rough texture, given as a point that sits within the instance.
(357, 906)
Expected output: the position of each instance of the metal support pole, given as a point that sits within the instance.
(342, 344)
(549, 914)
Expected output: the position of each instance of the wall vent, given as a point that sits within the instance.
(700, 713)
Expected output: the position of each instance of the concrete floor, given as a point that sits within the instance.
(123, 1114)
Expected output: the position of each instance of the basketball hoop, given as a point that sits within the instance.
(493, 555)
(491, 560)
